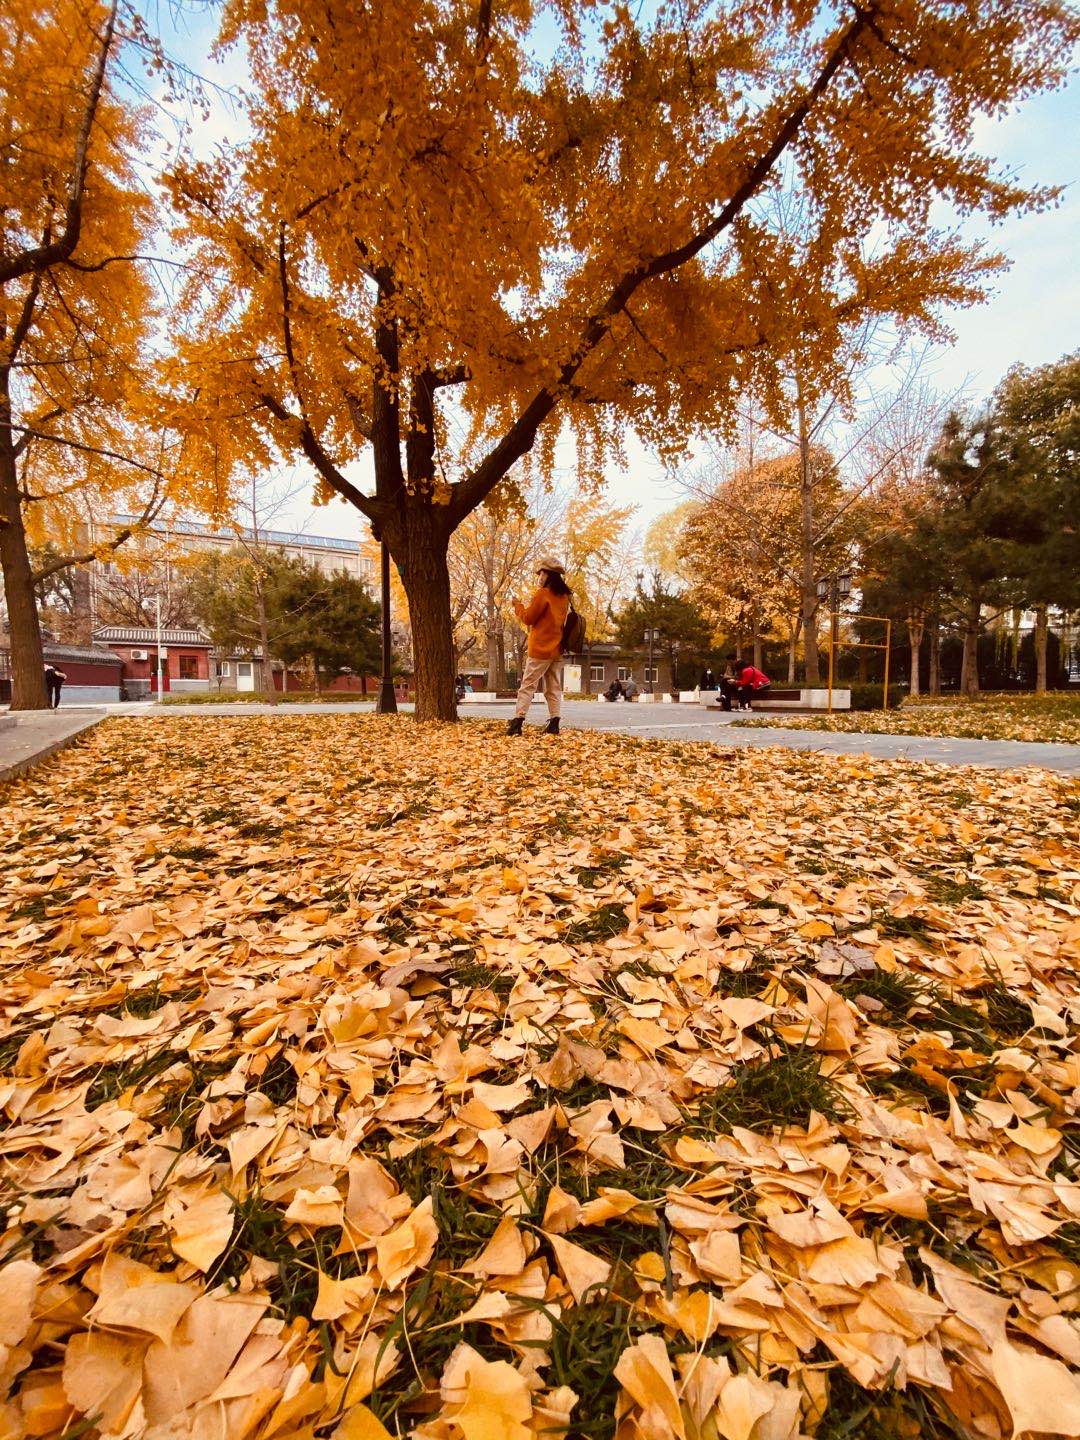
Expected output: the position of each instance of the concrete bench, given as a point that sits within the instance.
(806, 698)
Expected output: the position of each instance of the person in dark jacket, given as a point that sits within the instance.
(708, 680)
(54, 683)
(614, 691)
(728, 686)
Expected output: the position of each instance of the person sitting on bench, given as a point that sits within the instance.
(614, 691)
(753, 683)
(728, 685)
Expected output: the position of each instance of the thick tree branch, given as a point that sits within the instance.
(309, 441)
(63, 247)
(420, 440)
(520, 437)
(26, 318)
(309, 444)
(385, 406)
(449, 375)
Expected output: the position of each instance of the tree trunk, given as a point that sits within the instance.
(812, 664)
(587, 672)
(915, 634)
(934, 677)
(793, 642)
(269, 693)
(82, 601)
(422, 533)
(755, 622)
(1042, 627)
(27, 658)
(969, 666)
(493, 625)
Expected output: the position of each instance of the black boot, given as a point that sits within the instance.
(513, 726)
(552, 727)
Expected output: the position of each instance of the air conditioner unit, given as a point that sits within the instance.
(140, 654)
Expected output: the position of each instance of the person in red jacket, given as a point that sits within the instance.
(751, 682)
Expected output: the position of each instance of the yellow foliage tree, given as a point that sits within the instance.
(76, 432)
(448, 239)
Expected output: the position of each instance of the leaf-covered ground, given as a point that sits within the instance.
(1052, 717)
(361, 1079)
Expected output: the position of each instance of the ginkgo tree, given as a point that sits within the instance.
(80, 433)
(458, 229)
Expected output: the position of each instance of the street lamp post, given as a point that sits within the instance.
(675, 670)
(650, 636)
(159, 666)
(833, 589)
(386, 704)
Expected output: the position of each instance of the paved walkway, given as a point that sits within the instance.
(30, 735)
(663, 722)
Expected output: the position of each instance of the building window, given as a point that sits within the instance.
(652, 677)
(189, 667)
(624, 673)
(243, 669)
(221, 669)
(596, 672)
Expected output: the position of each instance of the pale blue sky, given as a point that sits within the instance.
(1031, 317)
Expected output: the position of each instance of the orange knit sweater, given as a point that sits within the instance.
(545, 615)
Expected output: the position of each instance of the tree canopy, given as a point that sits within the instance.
(445, 239)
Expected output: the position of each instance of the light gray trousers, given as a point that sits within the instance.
(536, 671)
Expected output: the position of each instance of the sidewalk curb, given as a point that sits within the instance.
(28, 762)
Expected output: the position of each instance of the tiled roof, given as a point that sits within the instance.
(87, 654)
(147, 635)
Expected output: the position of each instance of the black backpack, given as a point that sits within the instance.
(573, 633)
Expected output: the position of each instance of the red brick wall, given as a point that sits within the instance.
(87, 672)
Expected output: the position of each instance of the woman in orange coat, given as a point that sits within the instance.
(545, 616)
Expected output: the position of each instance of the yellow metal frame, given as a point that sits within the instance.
(834, 617)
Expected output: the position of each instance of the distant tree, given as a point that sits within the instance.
(663, 547)
(330, 621)
(684, 630)
(1038, 415)
(492, 555)
(904, 574)
(744, 547)
(598, 560)
(276, 605)
(971, 511)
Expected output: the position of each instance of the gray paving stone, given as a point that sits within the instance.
(32, 735)
(693, 722)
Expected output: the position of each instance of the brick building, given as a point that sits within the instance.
(594, 671)
(93, 673)
(186, 656)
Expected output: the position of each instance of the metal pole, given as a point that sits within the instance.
(160, 667)
(833, 602)
(651, 633)
(888, 646)
(387, 701)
